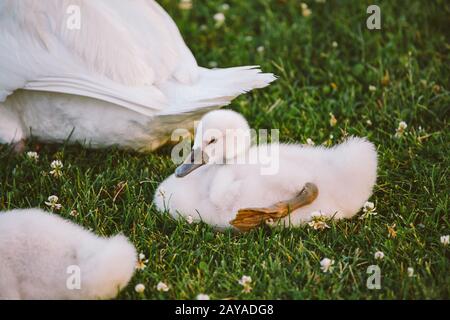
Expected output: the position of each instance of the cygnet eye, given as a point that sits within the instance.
(213, 140)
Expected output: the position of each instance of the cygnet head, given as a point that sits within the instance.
(220, 136)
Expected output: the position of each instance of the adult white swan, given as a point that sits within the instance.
(104, 72)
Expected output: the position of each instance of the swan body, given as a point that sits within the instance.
(215, 191)
(123, 76)
(39, 250)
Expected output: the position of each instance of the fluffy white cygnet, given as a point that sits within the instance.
(43, 256)
(216, 185)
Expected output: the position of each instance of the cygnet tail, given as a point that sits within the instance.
(109, 270)
(215, 88)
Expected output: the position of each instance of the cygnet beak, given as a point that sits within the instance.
(195, 160)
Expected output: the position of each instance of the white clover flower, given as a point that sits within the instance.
(139, 288)
(260, 49)
(185, 4)
(53, 199)
(245, 280)
(326, 265)
(445, 240)
(219, 18)
(379, 255)
(142, 262)
(372, 88)
(202, 296)
(401, 129)
(369, 122)
(306, 12)
(74, 213)
(318, 221)
(369, 206)
(161, 286)
(310, 142)
(225, 7)
(189, 219)
(57, 166)
(53, 202)
(32, 155)
(368, 210)
(410, 272)
(334, 44)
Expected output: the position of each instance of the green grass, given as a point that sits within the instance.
(412, 192)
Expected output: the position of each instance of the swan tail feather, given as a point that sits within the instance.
(216, 88)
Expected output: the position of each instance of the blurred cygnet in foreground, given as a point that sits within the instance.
(43, 256)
